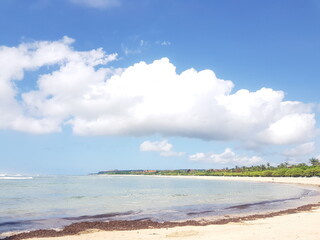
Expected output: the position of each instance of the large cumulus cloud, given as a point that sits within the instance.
(142, 99)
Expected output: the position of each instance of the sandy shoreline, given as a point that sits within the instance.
(301, 223)
(313, 181)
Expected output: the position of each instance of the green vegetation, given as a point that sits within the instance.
(282, 170)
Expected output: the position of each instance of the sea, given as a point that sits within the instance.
(46, 202)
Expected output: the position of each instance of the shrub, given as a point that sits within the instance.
(294, 172)
(317, 171)
(267, 173)
(310, 172)
(279, 172)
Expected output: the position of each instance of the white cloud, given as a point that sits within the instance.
(142, 99)
(156, 146)
(143, 43)
(31, 114)
(227, 157)
(128, 51)
(300, 150)
(290, 128)
(163, 43)
(134, 46)
(163, 147)
(97, 3)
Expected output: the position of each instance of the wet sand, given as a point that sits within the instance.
(297, 223)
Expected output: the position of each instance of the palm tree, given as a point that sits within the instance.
(314, 161)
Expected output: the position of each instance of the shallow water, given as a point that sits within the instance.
(55, 201)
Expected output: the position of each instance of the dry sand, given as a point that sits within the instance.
(315, 181)
(302, 225)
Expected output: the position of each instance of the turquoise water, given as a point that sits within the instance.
(55, 201)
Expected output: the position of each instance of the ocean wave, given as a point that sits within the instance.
(10, 175)
(14, 178)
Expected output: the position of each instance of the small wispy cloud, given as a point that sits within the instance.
(97, 3)
(163, 43)
(142, 43)
(134, 46)
(227, 157)
(128, 51)
(163, 147)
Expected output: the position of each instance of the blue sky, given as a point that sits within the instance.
(118, 84)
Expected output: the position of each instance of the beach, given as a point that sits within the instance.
(300, 223)
(313, 181)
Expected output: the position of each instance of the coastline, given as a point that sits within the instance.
(303, 223)
(311, 181)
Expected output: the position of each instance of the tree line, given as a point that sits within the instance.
(263, 170)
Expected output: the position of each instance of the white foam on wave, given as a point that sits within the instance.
(13, 177)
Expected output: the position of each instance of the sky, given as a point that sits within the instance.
(91, 85)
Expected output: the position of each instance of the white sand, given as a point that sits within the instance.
(290, 180)
(303, 225)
